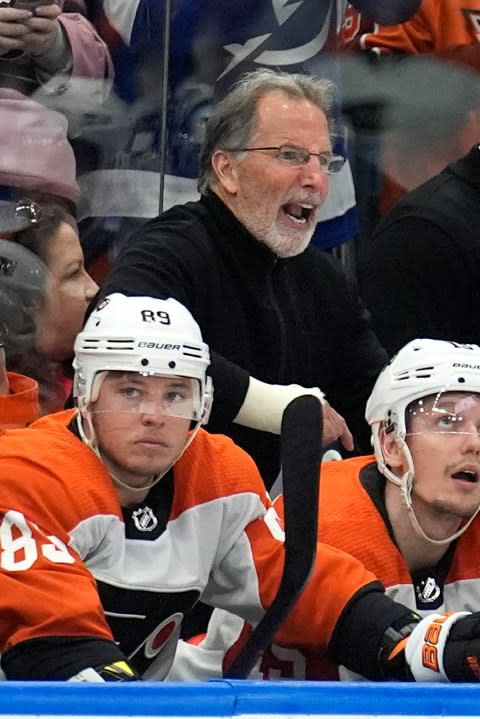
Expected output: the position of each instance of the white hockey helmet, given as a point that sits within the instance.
(421, 368)
(140, 334)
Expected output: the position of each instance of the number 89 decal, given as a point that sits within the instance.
(19, 550)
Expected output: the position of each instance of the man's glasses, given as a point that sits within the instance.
(298, 156)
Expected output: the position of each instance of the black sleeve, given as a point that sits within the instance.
(357, 354)
(171, 265)
(230, 385)
(416, 280)
(370, 626)
(57, 658)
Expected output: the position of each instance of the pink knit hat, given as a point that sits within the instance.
(35, 153)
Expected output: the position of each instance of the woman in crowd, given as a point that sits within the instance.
(57, 316)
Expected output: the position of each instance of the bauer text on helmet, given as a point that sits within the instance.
(140, 334)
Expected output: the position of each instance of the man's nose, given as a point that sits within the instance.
(313, 175)
(472, 439)
(153, 413)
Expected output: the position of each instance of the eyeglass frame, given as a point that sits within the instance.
(329, 156)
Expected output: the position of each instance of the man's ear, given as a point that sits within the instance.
(225, 167)
(391, 449)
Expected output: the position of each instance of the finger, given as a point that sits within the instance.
(13, 29)
(40, 26)
(335, 428)
(346, 439)
(332, 433)
(46, 12)
(11, 15)
(8, 43)
(52, 9)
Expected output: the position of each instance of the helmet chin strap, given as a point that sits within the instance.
(90, 440)
(449, 539)
(406, 484)
(156, 478)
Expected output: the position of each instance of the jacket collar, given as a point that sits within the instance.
(233, 233)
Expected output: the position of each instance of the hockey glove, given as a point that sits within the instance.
(445, 647)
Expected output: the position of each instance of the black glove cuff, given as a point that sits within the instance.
(461, 657)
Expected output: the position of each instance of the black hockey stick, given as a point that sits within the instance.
(301, 454)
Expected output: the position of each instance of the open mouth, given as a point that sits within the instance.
(299, 212)
(466, 475)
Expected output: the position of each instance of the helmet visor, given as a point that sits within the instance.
(445, 413)
(149, 394)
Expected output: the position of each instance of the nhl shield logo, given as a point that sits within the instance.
(427, 590)
(144, 519)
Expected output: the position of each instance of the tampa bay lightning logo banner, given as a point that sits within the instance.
(283, 34)
(233, 38)
(213, 44)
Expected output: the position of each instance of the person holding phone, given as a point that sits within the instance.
(39, 42)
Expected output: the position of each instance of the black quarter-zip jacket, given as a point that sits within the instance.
(292, 320)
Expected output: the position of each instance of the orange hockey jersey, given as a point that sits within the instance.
(21, 406)
(73, 563)
(437, 26)
(350, 520)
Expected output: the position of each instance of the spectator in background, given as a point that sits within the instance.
(23, 280)
(36, 158)
(38, 198)
(442, 112)
(55, 318)
(44, 293)
(53, 53)
(424, 140)
(443, 27)
(420, 273)
(280, 316)
(46, 45)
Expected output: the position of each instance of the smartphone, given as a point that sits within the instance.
(30, 4)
